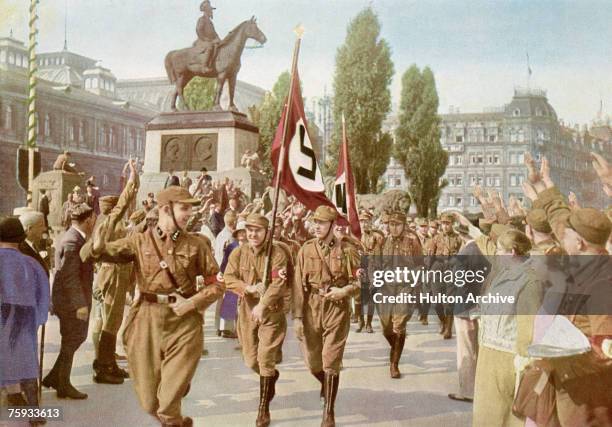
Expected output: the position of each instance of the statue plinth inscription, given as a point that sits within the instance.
(189, 152)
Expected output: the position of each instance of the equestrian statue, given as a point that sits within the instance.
(211, 57)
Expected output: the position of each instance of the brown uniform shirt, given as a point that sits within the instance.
(445, 244)
(407, 244)
(372, 242)
(245, 267)
(341, 259)
(187, 257)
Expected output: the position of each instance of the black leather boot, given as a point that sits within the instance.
(448, 327)
(265, 391)
(331, 390)
(275, 378)
(361, 324)
(65, 390)
(105, 365)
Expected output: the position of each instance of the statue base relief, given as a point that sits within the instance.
(190, 140)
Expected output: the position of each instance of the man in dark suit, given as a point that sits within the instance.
(71, 298)
(34, 226)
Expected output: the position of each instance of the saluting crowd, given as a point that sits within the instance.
(144, 274)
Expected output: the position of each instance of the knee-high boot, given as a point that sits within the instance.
(396, 354)
(265, 391)
(331, 391)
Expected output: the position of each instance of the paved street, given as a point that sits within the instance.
(226, 393)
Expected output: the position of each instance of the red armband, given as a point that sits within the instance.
(209, 280)
(275, 274)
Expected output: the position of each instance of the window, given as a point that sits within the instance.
(71, 132)
(398, 182)
(47, 126)
(139, 146)
(94, 83)
(493, 159)
(459, 180)
(521, 135)
(538, 111)
(111, 139)
(492, 138)
(516, 112)
(82, 131)
(477, 159)
(101, 137)
(8, 117)
(473, 201)
(458, 201)
(2, 56)
(459, 138)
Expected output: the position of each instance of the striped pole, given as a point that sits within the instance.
(32, 122)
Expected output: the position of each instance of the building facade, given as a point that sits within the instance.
(78, 110)
(487, 149)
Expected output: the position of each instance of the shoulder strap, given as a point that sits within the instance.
(162, 263)
(325, 266)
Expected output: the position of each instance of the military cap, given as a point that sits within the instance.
(11, 230)
(514, 239)
(433, 223)
(153, 214)
(397, 216)
(384, 217)
(325, 213)
(176, 194)
(536, 219)
(80, 212)
(421, 222)
(138, 216)
(241, 226)
(447, 217)
(108, 202)
(592, 225)
(365, 216)
(256, 220)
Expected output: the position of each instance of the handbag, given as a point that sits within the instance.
(535, 397)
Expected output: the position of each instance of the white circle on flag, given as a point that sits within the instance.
(303, 161)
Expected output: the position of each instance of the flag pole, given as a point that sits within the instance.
(345, 164)
(299, 31)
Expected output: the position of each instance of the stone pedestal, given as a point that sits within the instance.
(57, 186)
(188, 141)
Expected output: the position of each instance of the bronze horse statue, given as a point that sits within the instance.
(182, 65)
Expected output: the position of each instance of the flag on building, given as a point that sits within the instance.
(344, 187)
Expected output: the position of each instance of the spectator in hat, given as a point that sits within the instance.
(71, 297)
(24, 301)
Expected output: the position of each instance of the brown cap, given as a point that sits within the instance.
(433, 223)
(398, 217)
(108, 202)
(80, 212)
(11, 230)
(592, 225)
(365, 216)
(536, 219)
(175, 194)
(138, 216)
(447, 217)
(485, 225)
(421, 222)
(384, 217)
(325, 213)
(498, 229)
(257, 220)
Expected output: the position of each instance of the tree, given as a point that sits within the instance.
(200, 94)
(417, 139)
(361, 91)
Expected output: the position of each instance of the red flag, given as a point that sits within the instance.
(300, 174)
(344, 187)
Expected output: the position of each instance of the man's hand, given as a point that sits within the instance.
(462, 219)
(251, 289)
(258, 313)
(298, 328)
(182, 305)
(82, 313)
(573, 200)
(603, 169)
(335, 294)
(133, 172)
(529, 191)
(282, 273)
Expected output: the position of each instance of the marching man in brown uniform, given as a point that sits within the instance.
(372, 241)
(261, 319)
(394, 317)
(322, 289)
(163, 332)
(444, 244)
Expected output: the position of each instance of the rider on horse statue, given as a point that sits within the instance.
(208, 39)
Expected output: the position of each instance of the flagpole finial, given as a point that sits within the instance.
(299, 31)
(343, 121)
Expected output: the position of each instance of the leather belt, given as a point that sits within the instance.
(160, 298)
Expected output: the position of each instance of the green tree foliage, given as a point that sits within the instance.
(361, 91)
(417, 139)
(200, 93)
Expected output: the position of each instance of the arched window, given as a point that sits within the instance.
(516, 112)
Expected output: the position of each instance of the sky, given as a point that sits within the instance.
(476, 49)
